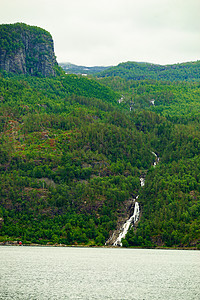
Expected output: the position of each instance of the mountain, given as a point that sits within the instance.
(70, 166)
(74, 69)
(189, 71)
(72, 157)
(27, 49)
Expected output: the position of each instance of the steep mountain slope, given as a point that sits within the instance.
(71, 157)
(69, 164)
(70, 167)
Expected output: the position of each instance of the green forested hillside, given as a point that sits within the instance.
(179, 101)
(140, 71)
(171, 205)
(70, 162)
(170, 199)
(171, 191)
(73, 149)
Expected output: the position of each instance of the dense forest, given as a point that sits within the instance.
(170, 198)
(178, 101)
(73, 149)
(70, 162)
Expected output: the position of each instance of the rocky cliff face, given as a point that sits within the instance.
(27, 49)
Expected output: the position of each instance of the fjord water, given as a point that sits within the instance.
(98, 273)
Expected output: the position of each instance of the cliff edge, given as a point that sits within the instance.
(27, 49)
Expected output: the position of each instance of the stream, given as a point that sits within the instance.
(136, 213)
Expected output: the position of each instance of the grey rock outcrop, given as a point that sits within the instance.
(27, 49)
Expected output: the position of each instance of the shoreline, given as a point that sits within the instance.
(16, 244)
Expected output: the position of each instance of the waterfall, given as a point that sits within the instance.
(132, 220)
(135, 217)
(157, 159)
(142, 181)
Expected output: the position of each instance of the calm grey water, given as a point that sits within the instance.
(97, 273)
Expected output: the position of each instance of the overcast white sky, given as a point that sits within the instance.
(107, 32)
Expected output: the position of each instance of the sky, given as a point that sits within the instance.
(108, 32)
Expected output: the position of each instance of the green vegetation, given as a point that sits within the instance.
(27, 49)
(171, 190)
(178, 101)
(140, 71)
(68, 162)
(170, 199)
(171, 205)
(71, 155)
(10, 36)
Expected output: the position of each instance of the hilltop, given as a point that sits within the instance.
(74, 69)
(27, 49)
(189, 71)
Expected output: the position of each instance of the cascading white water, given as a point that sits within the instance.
(132, 220)
(135, 217)
(142, 181)
(157, 159)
